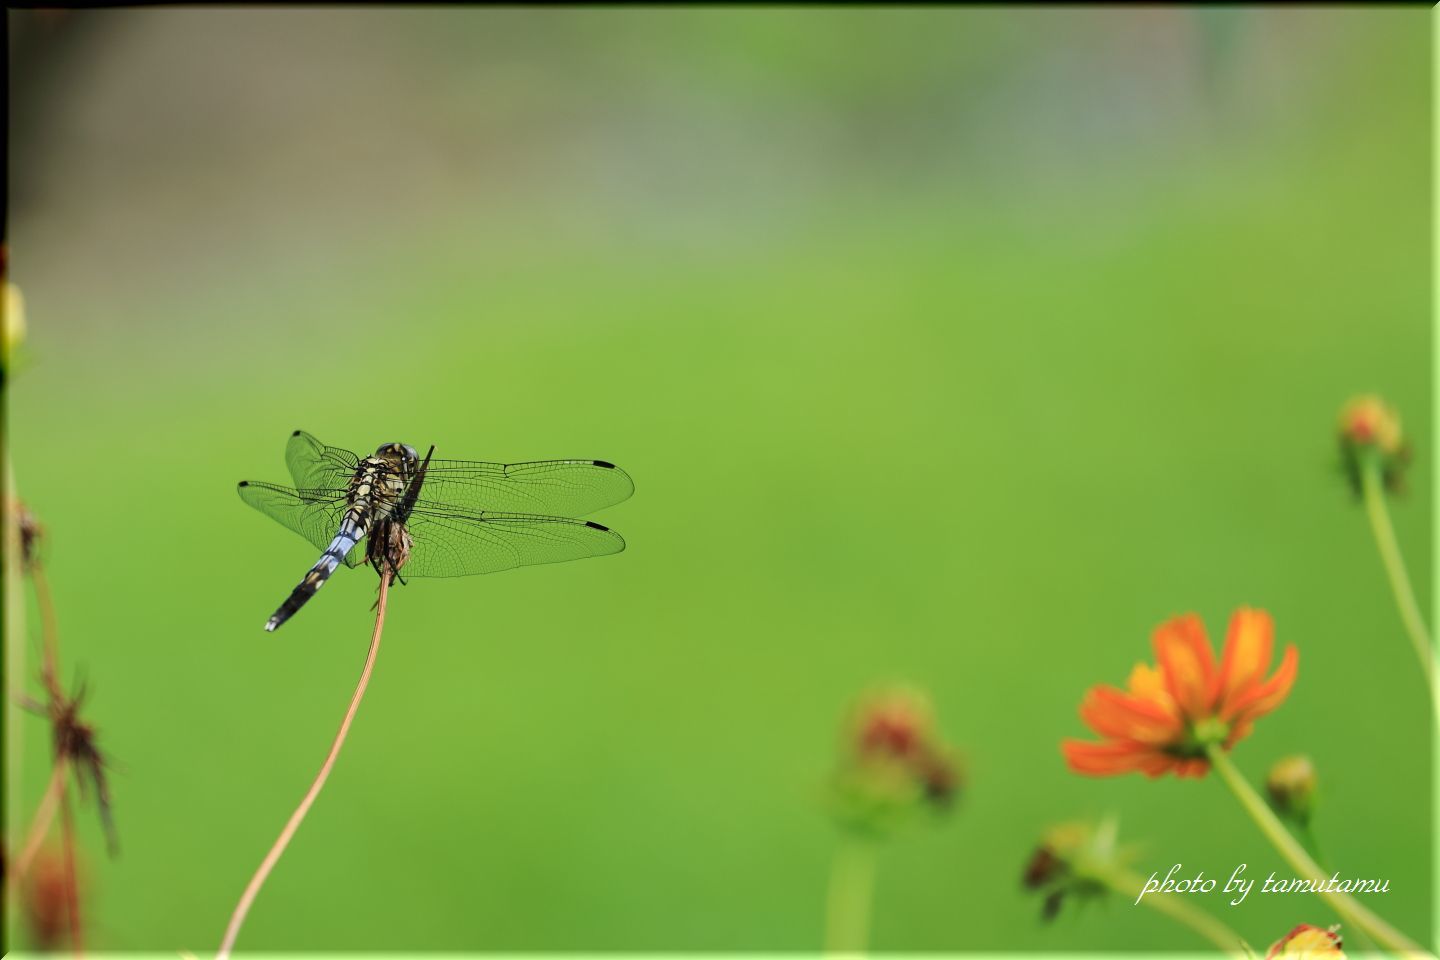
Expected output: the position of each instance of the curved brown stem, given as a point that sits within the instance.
(39, 826)
(237, 919)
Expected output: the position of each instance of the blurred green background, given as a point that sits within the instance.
(958, 347)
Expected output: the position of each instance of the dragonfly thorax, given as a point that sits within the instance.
(380, 483)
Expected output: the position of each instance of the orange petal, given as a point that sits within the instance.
(1188, 664)
(1157, 764)
(1194, 768)
(1249, 644)
(1104, 759)
(1260, 700)
(1113, 713)
(1149, 683)
(1238, 731)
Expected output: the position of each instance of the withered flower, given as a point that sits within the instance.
(74, 743)
(31, 533)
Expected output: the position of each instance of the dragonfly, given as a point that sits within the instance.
(455, 517)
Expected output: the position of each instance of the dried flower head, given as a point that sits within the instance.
(1170, 714)
(893, 763)
(1291, 785)
(1308, 942)
(31, 533)
(1371, 436)
(74, 743)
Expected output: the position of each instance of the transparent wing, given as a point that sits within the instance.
(314, 514)
(452, 542)
(550, 488)
(316, 466)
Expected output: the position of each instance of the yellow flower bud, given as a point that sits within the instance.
(14, 334)
(1308, 943)
(1371, 439)
(1369, 421)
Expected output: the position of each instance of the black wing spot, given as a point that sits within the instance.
(604, 463)
(297, 433)
(592, 523)
(243, 483)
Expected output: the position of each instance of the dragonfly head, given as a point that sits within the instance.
(398, 451)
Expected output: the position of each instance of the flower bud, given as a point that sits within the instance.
(1071, 863)
(14, 325)
(1370, 435)
(1309, 943)
(1292, 785)
(1368, 421)
(893, 764)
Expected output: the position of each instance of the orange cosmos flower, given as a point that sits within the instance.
(1172, 712)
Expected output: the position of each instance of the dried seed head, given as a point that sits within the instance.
(397, 546)
(74, 741)
(30, 530)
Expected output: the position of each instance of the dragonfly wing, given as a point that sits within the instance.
(314, 514)
(453, 542)
(549, 488)
(316, 466)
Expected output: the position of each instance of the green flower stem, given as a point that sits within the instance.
(1128, 884)
(852, 886)
(1350, 910)
(1306, 835)
(1373, 491)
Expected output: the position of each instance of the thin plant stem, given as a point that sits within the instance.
(1127, 884)
(49, 633)
(852, 887)
(1350, 910)
(39, 826)
(12, 611)
(72, 875)
(50, 677)
(1373, 492)
(237, 919)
